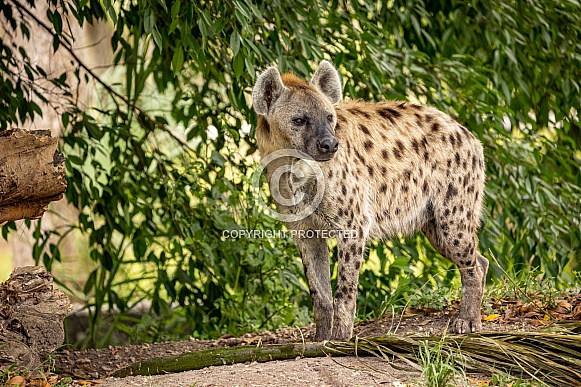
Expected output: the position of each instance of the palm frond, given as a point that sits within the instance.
(550, 356)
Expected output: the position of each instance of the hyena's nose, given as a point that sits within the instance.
(328, 145)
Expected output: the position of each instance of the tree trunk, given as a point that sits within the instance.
(32, 173)
(31, 318)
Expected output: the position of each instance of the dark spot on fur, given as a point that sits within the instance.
(389, 114)
(364, 129)
(370, 171)
(435, 127)
(384, 154)
(447, 212)
(338, 295)
(347, 257)
(459, 138)
(400, 145)
(399, 149)
(359, 112)
(397, 153)
(425, 187)
(429, 118)
(359, 156)
(451, 192)
(383, 170)
(449, 163)
(419, 119)
(344, 190)
(368, 145)
(452, 139)
(456, 242)
(443, 138)
(426, 156)
(404, 188)
(396, 211)
(353, 249)
(471, 272)
(357, 265)
(424, 142)
(383, 188)
(415, 145)
(340, 212)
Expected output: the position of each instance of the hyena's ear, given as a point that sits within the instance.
(327, 80)
(267, 90)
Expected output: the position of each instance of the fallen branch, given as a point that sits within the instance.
(32, 173)
(550, 356)
(222, 356)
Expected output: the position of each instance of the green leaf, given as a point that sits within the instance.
(235, 42)
(238, 65)
(177, 60)
(148, 20)
(157, 38)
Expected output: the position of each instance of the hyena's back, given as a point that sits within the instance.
(406, 167)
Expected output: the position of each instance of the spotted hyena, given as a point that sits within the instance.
(389, 168)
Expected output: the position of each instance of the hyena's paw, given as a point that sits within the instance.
(463, 325)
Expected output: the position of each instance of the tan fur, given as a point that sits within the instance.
(399, 168)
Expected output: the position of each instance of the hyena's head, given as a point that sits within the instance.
(296, 114)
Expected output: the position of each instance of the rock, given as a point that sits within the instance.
(31, 317)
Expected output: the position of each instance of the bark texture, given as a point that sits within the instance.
(221, 356)
(32, 173)
(31, 317)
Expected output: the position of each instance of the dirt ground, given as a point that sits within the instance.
(95, 366)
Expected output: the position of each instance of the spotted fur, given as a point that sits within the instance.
(399, 168)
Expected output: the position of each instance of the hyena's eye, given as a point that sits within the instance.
(299, 121)
(330, 118)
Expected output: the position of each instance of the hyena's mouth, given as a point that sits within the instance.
(323, 157)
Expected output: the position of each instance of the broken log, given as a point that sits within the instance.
(222, 356)
(31, 318)
(32, 173)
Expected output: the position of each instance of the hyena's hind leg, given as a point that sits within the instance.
(452, 239)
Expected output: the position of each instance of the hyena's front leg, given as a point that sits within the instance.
(315, 256)
(350, 258)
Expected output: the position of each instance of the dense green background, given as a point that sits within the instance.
(153, 208)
